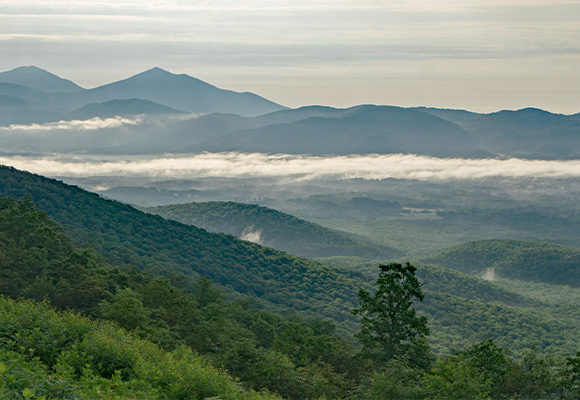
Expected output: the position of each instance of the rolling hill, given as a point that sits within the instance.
(274, 229)
(124, 235)
(523, 260)
(122, 108)
(457, 305)
(360, 130)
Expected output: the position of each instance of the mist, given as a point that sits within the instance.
(76, 125)
(295, 167)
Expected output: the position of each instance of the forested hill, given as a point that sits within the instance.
(125, 235)
(275, 229)
(265, 351)
(524, 260)
(457, 308)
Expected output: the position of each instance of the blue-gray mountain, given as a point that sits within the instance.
(246, 122)
(180, 92)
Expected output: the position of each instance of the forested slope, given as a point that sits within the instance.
(66, 356)
(523, 260)
(124, 235)
(274, 229)
(290, 356)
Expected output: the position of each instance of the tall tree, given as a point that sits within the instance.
(390, 325)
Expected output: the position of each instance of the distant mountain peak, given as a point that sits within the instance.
(183, 92)
(30, 68)
(38, 78)
(156, 70)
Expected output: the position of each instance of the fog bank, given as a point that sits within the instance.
(299, 167)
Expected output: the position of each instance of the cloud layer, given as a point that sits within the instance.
(76, 125)
(243, 165)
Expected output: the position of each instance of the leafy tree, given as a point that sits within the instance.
(390, 325)
(397, 381)
(457, 379)
(572, 375)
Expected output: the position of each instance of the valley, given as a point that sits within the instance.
(167, 225)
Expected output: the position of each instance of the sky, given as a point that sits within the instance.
(479, 55)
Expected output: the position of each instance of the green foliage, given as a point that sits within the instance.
(455, 379)
(61, 355)
(390, 325)
(96, 360)
(523, 260)
(155, 310)
(124, 235)
(397, 381)
(274, 229)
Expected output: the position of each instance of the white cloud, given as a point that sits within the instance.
(77, 125)
(240, 165)
(252, 235)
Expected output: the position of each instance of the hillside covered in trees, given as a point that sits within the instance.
(274, 229)
(150, 347)
(523, 260)
(113, 263)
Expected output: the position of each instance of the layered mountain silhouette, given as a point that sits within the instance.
(181, 92)
(223, 120)
(39, 79)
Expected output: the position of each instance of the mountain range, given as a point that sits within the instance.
(244, 122)
(42, 90)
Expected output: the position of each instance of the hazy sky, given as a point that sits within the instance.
(481, 55)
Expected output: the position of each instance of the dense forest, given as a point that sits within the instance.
(523, 260)
(133, 323)
(274, 229)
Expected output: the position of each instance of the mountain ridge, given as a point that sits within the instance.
(177, 91)
(273, 228)
(39, 79)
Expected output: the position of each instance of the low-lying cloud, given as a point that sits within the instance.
(77, 125)
(252, 235)
(298, 167)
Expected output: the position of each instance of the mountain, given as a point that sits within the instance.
(182, 92)
(249, 123)
(115, 108)
(49, 93)
(274, 229)
(25, 93)
(25, 105)
(523, 260)
(359, 130)
(528, 133)
(39, 79)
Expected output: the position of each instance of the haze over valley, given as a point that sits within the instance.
(267, 200)
(255, 225)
